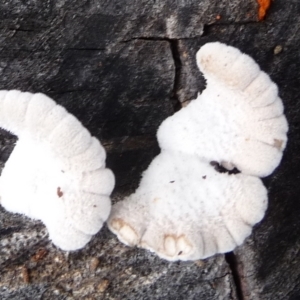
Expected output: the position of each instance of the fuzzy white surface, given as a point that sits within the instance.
(184, 209)
(56, 172)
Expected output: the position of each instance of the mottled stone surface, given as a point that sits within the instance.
(122, 68)
(105, 269)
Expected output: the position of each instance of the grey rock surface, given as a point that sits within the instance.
(121, 68)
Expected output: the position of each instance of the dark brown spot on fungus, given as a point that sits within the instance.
(180, 252)
(278, 144)
(59, 192)
(204, 177)
(221, 169)
(172, 181)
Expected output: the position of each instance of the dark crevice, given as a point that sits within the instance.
(220, 23)
(233, 265)
(21, 30)
(85, 49)
(177, 62)
(206, 29)
(53, 92)
(146, 38)
(160, 38)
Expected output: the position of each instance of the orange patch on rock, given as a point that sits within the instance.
(264, 5)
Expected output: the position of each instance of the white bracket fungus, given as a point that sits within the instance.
(184, 209)
(56, 172)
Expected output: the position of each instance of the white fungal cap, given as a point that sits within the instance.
(184, 209)
(237, 119)
(56, 172)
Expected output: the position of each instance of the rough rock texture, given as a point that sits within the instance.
(122, 68)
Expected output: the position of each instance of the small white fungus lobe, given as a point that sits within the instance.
(56, 172)
(184, 209)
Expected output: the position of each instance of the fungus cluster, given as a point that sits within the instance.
(56, 172)
(184, 208)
